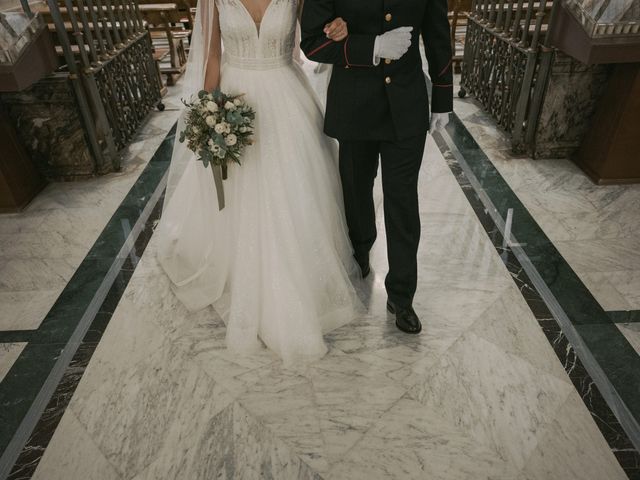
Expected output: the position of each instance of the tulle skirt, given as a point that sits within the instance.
(279, 252)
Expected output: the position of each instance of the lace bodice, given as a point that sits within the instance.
(245, 44)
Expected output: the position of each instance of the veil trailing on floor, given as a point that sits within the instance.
(188, 246)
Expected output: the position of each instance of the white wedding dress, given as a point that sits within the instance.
(279, 252)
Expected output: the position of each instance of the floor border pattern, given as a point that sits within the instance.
(514, 257)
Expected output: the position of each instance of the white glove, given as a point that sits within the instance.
(392, 44)
(438, 121)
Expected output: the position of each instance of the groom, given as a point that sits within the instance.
(378, 108)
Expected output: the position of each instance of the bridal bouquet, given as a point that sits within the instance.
(217, 129)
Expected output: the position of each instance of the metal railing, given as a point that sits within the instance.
(507, 62)
(108, 55)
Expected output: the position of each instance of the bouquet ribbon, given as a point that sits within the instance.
(219, 174)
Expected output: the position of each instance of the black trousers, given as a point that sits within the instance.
(401, 160)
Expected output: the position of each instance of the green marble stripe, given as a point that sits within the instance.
(21, 385)
(16, 336)
(27, 375)
(610, 348)
(628, 316)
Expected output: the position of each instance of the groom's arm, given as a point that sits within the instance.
(354, 51)
(437, 44)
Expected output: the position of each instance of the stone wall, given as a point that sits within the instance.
(568, 106)
(47, 121)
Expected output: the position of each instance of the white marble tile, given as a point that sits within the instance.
(627, 282)
(284, 402)
(598, 225)
(572, 447)
(442, 197)
(45, 245)
(25, 221)
(510, 324)
(457, 263)
(622, 200)
(95, 193)
(554, 201)
(550, 223)
(9, 353)
(322, 410)
(25, 310)
(148, 411)
(350, 394)
(37, 273)
(631, 331)
(72, 455)
(499, 399)
(210, 455)
(410, 442)
(602, 255)
(236, 446)
(513, 168)
(260, 454)
(89, 221)
(604, 291)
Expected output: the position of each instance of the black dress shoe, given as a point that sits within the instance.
(406, 318)
(366, 270)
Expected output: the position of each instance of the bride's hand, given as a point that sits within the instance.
(336, 30)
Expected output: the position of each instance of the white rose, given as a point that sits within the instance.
(215, 149)
(220, 128)
(231, 140)
(211, 121)
(237, 102)
(229, 106)
(212, 106)
(227, 128)
(210, 96)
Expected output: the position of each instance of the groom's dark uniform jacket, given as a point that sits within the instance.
(382, 113)
(379, 102)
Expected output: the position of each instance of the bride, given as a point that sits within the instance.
(279, 252)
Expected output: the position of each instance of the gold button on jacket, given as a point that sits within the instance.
(388, 17)
(387, 80)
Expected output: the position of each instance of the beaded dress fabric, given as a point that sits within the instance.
(276, 261)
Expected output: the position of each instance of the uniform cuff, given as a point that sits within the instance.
(359, 50)
(376, 51)
(442, 98)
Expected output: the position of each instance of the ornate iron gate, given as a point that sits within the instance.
(108, 56)
(507, 62)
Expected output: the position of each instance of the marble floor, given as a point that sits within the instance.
(480, 394)
(491, 389)
(595, 228)
(49, 265)
(42, 246)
